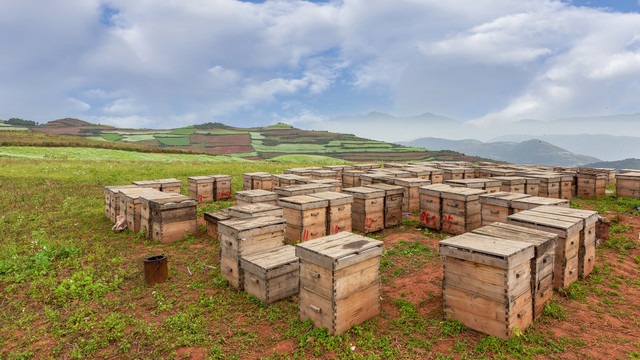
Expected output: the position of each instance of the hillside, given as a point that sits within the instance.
(631, 163)
(526, 152)
(249, 143)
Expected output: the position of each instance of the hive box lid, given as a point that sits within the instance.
(201, 179)
(324, 172)
(175, 202)
(487, 250)
(303, 202)
(461, 193)
(362, 192)
(217, 215)
(170, 182)
(531, 180)
(388, 189)
(525, 203)
(246, 227)
(134, 190)
(434, 190)
(543, 241)
(116, 188)
(267, 263)
(288, 177)
(591, 176)
(564, 226)
(240, 211)
(221, 177)
(258, 173)
(589, 217)
(471, 183)
(333, 182)
(507, 180)
(632, 175)
(547, 176)
(268, 195)
(352, 172)
(148, 196)
(412, 182)
(501, 198)
(335, 252)
(334, 198)
(146, 183)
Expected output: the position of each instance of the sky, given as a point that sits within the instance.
(173, 63)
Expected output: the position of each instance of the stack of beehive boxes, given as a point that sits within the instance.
(628, 184)
(209, 187)
(497, 206)
(367, 209)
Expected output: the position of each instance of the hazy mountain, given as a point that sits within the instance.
(526, 152)
(620, 164)
(606, 147)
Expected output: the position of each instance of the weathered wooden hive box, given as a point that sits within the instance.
(339, 280)
(397, 173)
(256, 196)
(303, 189)
(121, 197)
(374, 178)
(324, 174)
(170, 185)
(201, 188)
(246, 236)
(306, 172)
(497, 206)
(351, 178)
(610, 173)
(390, 165)
(366, 167)
(152, 184)
(145, 209)
(306, 218)
(544, 244)
(221, 187)
(172, 218)
(461, 210)
(487, 283)
(590, 185)
(112, 201)
(628, 185)
(567, 183)
(417, 171)
(587, 245)
(255, 210)
(549, 185)
(338, 211)
(339, 169)
(213, 218)
(367, 211)
(431, 205)
(512, 184)
(469, 173)
(393, 198)
(337, 184)
(495, 172)
(568, 230)
(271, 275)
(131, 203)
(535, 201)
(452, 173)
(436, 176)
(257, 180)
(489, 185)
(532, 186)
(411, 196)
(287, 179)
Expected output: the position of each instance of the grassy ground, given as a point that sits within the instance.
(71, 288)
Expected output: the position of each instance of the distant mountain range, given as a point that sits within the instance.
(620, 164)
(525, 152)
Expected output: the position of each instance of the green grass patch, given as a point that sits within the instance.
(183, 131)
(173, 141)
(111, 136)
(313, 159)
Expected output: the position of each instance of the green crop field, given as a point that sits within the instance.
(73, 288)
(173, 141)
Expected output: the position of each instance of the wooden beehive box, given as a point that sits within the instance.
(338, 168)
(145, 209)
(397, 173)
(549, 184)
(339, 280)
(497, 206)
(494, 172)
(461, 211)
(172, 218)
(568, 230)
(306, 172)
(287, 179)
(120, 197)
(417, 172)
(436, 176)
(324, 174)
(306, 217)
(366, 167)
(257, 180)
(452, 173)
(534, 201)
(303, 189)
(338, 211)
(393, 197)
(336, 184)
(544, 244)
(200, 188)
(131, 203)
(255, 210)
(170, 185)
(246, 236)
(374, 178)
(367, 211)
(628, 184)
(469, 173)
(587, 246)
(256, 196)
(590, 185)
(566, 186)
(221, 187)
(411, 196)
(152, 184)
(486, 283)
(351, 178)
(390, 165)
(431, 205)
(212, 218)
(512, 184)
(489, 185)
(112, 200)
(271, 275)
(532, 186)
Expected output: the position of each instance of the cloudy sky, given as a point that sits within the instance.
(170, 63)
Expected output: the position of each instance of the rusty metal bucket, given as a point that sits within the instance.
(155, 269)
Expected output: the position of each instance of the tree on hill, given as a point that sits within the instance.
(21, 122)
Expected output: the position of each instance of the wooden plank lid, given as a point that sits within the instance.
(170, 182)
(172, 203)
(268, 195)
(201, 179)
(340, 250)
(527, 202)
(487, 250)
(543, 241)
(362, 192)
(434, 190)
(244, 227)
(588, 217)
(461, 193)
(303, 202)
(564, 226)
(411, 182)
(388, 189)
(509, 180)
(235, 211)
(116, 188)
(334, 198)
(221, 177)
(265, 261)
(217, 215)
(501, 198)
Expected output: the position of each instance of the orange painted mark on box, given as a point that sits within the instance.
(368, 223)
(305, 235)
(427, 219)
(335, 229)
(223, 194)
(446, 221)
(199, 198)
